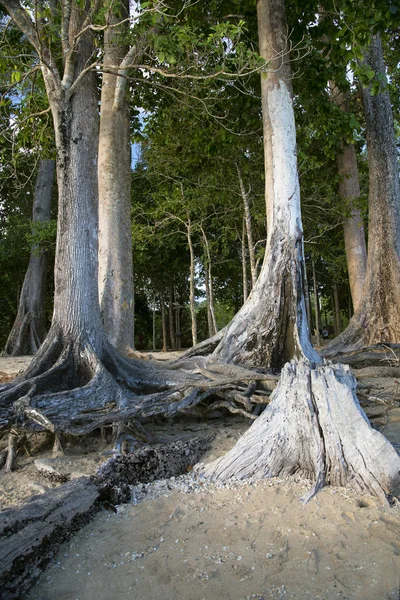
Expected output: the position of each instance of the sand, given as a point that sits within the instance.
(183, 540)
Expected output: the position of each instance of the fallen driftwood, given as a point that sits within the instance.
(30, 535)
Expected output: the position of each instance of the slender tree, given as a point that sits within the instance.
(353, 226)
(29, 328)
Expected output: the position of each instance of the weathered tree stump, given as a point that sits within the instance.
(314, 427)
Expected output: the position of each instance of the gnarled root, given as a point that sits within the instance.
(314, 427)
(72, 388)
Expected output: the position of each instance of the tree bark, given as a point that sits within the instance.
(114, 173)
(29, 328)
(313, 425)
(377, 318)
(353, 226)
(271, 328)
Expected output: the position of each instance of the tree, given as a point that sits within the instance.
(377, 319)
(115, 231)
(29, 328)
(78, 381)
(313, 425)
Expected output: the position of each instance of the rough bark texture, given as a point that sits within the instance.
(313, 425)
(29, 328)
(353, 226)
(115, 231)
(271, 327)
(377, 319)
(315, 428)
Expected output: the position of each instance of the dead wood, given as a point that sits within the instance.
(31, 534)
(314, 427)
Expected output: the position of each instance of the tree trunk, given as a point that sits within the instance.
(249, 231)
(271, 328)
(377, 318)
(313, 425)
(349, 190)
(29, 329)
(114, 173)
(192, 301)
(163, 322)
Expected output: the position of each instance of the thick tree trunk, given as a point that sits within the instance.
(313, 425)
(249, 230)
(29, 329)
(353, 226)
(377, 318)
(303, 433)
(271, 328)
(114, 172)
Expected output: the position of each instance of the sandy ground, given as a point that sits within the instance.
(184, 541)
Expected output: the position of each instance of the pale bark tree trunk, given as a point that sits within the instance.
(377, 318)
(114, 172)
(76, 367)
(244, 263)
(29, 328)
(313, 425)
(249, 230)
(163, 322)
(353, 226)
(271, 328)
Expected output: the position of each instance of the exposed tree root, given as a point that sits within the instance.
(72, 389)
(314, 427)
